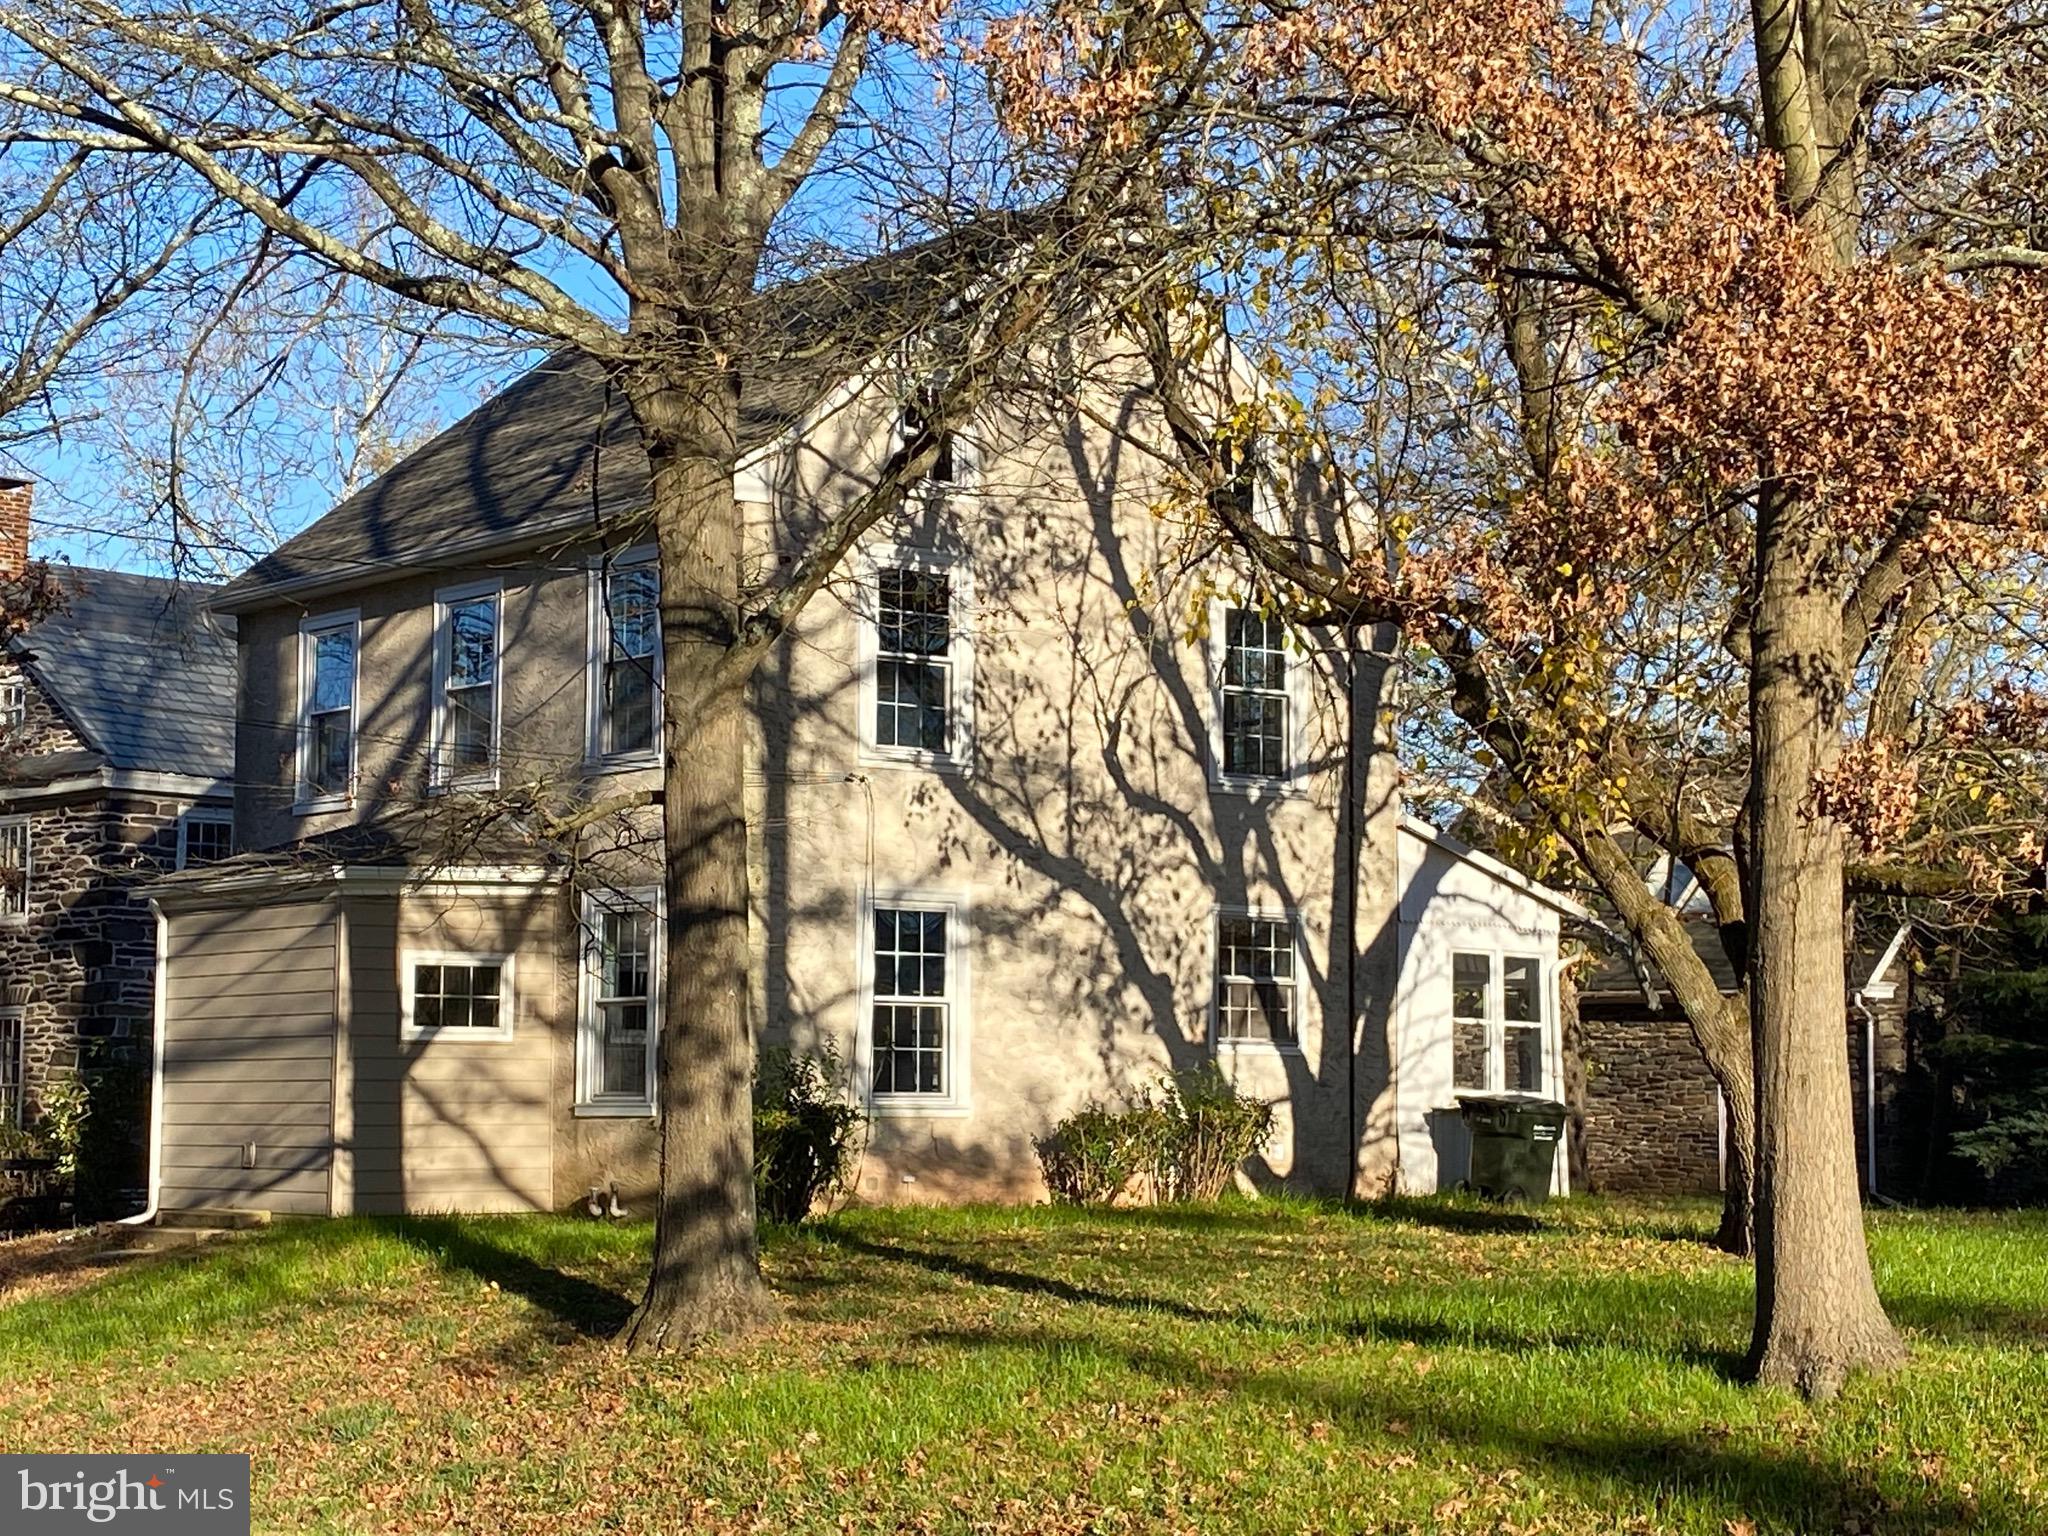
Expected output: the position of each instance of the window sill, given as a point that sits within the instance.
(1259, 789)
(925, 762)
(620, 1111)
(324, 804)
(482, 784)
(916, 1107)
(407, 1035)
(1258, 1048)
(637, 762)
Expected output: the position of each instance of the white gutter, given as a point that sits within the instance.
(135, 780)
(156, 1077)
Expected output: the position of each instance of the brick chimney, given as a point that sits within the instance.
(15, 496)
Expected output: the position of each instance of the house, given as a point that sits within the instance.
(1652, 1121)
(1038, 812)
(116, 755)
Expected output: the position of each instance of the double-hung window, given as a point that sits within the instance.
(917, 693)
(621, 993)
(949, 467)
(15, 871)
(11, 1021)
(625, 661)
(204, 837)
(1257, 997)
(327, 711)
(915, 992)
(459, 997)
(1496, 1017)
(13, 705)
(1256, 728)
(466, 656)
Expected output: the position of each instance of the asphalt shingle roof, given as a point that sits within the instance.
(143, 670)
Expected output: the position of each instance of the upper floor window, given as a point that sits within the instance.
(14, 866)
(11, 1054)
(204, 837)
(625, 661)
(956, 462)
(1256, 979)
(466, 692)
(621, 989)
(13, 705)
(918, 672)
(327, 710)
(1497, 1016)
(1256, 707)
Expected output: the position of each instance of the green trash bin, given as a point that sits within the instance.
(1514, 1143)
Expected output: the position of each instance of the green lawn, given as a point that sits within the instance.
(1269, 1366)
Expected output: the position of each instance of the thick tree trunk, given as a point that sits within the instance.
(707, 1275)
(1818, 1316)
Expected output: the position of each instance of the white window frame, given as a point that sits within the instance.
(311, 629)
(1497, 1022)
(959, 753)
(957, 1101)
(588, 1103)
(409, 961)
(212, 816)
(441, 778)
(28, 867)
(599, 633)
(966, 445)
(1220, 1046)
(13, 703)
(13, 1114)
(1215, 650)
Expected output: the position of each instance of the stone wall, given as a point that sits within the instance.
(1651, 1122)
(44, 728)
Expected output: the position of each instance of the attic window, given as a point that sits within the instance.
(13, 705)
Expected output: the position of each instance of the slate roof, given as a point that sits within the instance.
(555, 450)
(143, 670)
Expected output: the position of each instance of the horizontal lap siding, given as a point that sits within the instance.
(249, 1057)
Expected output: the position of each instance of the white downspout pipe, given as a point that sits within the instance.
(1869, 1091)
(160, 984)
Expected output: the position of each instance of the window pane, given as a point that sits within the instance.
(1255, 972)
(1468, 1053)
(334, 670)
(1521, 997)
(1523, 1059)
(632, 602)
(327, 766)
(14, 871)
(10, 1068)
(909, 1048)
(910, 704)
(909, 1036)
(207, 841)
(629, 706)
(916, 612)
(622, 1049)
(1254, 651)
(469, 729)
(1471, 977)
(472, 642)
(626, 940)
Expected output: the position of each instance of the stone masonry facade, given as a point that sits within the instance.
(1652, 1115)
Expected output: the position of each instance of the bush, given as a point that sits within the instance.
(1186, 1142)
(804, 1131)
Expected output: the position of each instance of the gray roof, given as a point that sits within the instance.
(142, 669)
(557, 450)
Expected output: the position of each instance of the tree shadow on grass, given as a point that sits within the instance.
(1468, 1217)
(580, 1306)
(1726, 1363)
(1967, 1322)
(1775, 1488)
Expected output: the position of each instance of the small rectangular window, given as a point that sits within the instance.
(11, 1042)
(460, 995)
(912, 1001)
(622, 978)
(1521, 1024)
(1256, 708)
(468, 669)
(628, 670)
(14, 866)
(1255, 980)
(1471, 1019)
(327, 693)
(204, 837)
(13, 705)
(913, 661)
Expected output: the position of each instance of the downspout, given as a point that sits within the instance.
(1354, 789)
(159, 986)
(1869, 1091)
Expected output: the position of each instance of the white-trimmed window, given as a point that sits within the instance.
(621, 992)
(457, 997)
(1258, 978)
(625, 660)
(917, 660)
(327, 711)
(914, 1000)
(13, 704)
(1497, 1012)
(205, 836)
(466, 667)
(16, 867)
(958, 464)
(12, 1032)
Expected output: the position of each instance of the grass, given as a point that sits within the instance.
(1424, 1366)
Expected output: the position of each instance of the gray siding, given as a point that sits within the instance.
(249, 1019)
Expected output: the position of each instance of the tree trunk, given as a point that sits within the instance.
(1737, 1233)
(1817, 1317)
(707, 1274)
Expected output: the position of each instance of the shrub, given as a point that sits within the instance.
(1090, 1157)
(1186, 1142)
(804, 1131)
(63, 1110)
